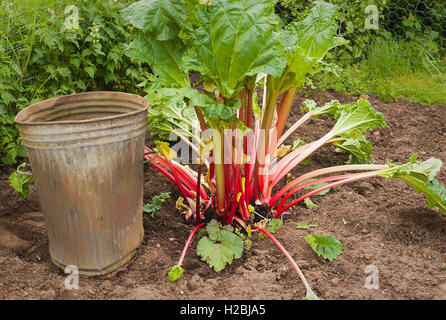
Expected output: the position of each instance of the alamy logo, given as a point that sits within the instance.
(72, 21)
(372, 20)
(372, 281)
(72, 280)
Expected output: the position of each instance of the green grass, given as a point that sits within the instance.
(395, 70)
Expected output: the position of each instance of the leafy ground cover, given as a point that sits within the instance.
(397, 233)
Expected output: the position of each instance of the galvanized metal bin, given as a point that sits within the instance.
(86, 152)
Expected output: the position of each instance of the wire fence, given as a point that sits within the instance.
(402, 19)
(415, 18)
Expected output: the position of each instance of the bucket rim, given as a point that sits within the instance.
(45, 103)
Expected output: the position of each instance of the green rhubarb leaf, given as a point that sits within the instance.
(169, 111)
(316, 33)
(175, 273)
(219, 253)
(231, 40)
(325, 246)
(298, 67)
(360, 116)
(175, 105)
(162, 18)
(216, 231)
(164, 57)
(274, 225)
(172, 109)
(306, 43)
(359, 149)
(330, 108)
(421, 175)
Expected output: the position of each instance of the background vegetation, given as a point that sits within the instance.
(405, 58)
(45, 53)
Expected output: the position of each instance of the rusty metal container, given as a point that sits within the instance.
(86, 152)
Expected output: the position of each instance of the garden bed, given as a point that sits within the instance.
(382, 224)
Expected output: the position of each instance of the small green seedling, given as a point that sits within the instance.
(21, 179)
(156, 204)
(304, 226)
(273, 227)
(325, 246)
(220, 246)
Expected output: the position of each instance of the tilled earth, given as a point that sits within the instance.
(382, 224)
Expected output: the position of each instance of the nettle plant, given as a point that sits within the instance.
(239, 48)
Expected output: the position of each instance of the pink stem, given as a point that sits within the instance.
(197, 201)
(284, 167)
(310, 183)
(294, 127)
(287, 255)
(189, 240)
(331, 185)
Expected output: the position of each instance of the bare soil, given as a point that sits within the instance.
(384, 224)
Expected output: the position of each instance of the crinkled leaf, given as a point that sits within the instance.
(20, 183)
(162, 18)
(172, 109)
(168, 100)
(175, 273)
(215, 230)
(274, 225)
(422, 178)
(161, 125)
(219, 253)
(359, 149)
(325, 246)
(156, 204)
(316, 33)
(332, 68)
(164, 57)
(298, 67)
(359, 116)
(306, 43)
(330, 108)
(231, 40)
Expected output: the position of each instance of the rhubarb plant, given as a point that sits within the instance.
(239, 49)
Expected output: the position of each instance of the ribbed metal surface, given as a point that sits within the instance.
(86, 153)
